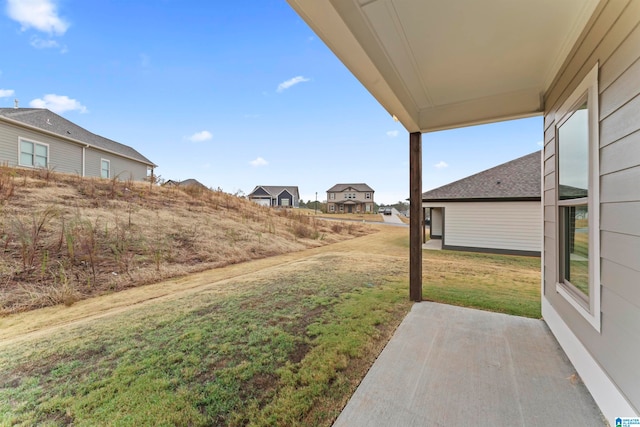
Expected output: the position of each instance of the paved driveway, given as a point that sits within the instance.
(393, 218)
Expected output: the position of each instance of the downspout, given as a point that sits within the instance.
(84, 160)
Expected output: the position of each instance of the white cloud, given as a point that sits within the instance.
(58, 103)
(39, 14)
(39, 43)
(540, 143)
(392, 133)
(258, 162)
(291, 82)
(5, 93)
(205, 135)
(441, 165)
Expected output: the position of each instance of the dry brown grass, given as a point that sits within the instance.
(65, 238)
(353, 217)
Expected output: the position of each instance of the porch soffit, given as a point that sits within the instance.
(443, 64)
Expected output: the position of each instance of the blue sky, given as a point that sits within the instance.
(234, 94)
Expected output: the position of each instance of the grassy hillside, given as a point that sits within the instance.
(65, 238)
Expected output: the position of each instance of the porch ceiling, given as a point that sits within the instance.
(442, 64)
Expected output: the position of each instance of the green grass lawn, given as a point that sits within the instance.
(277, 351)
(501, 283)
(284, 345)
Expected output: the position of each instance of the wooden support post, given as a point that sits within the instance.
(415, 216)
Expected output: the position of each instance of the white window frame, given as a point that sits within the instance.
(367, 196)
(332, 208)
(591, 311)
(35, 143)
(332, 196)
(108, 170)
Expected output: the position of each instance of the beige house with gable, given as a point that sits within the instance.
(350, 198)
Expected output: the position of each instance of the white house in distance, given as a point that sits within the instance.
(437, 65)
(276, 196)
(39, 138)
(497, 210)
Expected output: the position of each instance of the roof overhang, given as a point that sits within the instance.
(437, 64)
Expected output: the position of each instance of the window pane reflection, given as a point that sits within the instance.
(573, 155)
(575, 224)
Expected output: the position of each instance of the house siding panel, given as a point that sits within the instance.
(92, 163)
(621, 59)
(64, 156)
(612, 41)
(620, 124)
(621, 218)
(623, 154)
(121, 167)
(514, 226)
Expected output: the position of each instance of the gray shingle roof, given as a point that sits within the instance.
(357, 187)
(44, 119)
(518, 179)
(274, 190)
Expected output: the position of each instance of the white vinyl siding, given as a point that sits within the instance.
(512, 226)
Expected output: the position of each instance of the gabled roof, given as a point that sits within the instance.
(357, 187)
(518, 179)
(275, 190)
(48, 121)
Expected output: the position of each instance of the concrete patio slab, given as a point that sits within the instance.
(433, 245)
(454, 366)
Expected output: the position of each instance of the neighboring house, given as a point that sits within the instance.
(497, 210)
(577, 64)
(39, 138)
(350, 198)
(186, 183)
(278, 196)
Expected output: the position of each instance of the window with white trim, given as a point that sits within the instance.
(332, 208)
(332, 196)
(577, 202)
(33, 154)
(105, 168)
(367, 196)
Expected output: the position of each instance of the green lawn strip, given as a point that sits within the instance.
(500, 283)
(269, 351)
